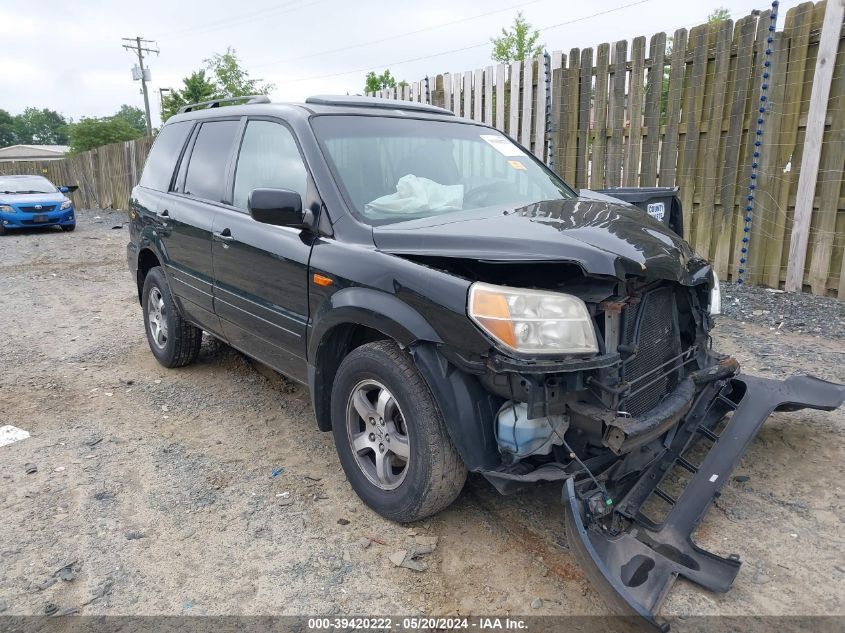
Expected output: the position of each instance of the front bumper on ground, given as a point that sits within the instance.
(22, 220)
(634, 568)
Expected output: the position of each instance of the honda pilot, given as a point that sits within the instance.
(453, 306)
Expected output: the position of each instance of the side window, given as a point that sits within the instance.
(164, 155)
(206, 174)
(269, 157)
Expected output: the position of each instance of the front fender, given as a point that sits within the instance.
(375, 309)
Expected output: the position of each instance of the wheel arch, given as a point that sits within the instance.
(147, 260)
(348, 319)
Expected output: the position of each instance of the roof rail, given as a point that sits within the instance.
(215, 103)
(376, 102)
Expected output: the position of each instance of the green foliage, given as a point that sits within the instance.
(376, 82)
(197, 88)
(133, 116)
(89, 133)
(517, 44)
(232, 80)
(40, 127)
(8, 134)
(226, 78)
(718, 15)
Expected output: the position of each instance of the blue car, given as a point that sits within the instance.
(33, 201)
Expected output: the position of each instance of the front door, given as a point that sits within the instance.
(189, 216)
(261, 271)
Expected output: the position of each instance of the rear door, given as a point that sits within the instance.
(261, 271)
(190, 212)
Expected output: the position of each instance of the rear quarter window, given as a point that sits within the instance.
(206, 176)
(164, 155)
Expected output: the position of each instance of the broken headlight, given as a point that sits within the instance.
(533, 321)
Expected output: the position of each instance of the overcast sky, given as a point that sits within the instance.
(67, 55)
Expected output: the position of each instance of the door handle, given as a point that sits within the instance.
(225, 235)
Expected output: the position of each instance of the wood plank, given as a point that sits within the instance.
(635, 113)
(559, 115)
(447, 91)
(585, 91)
(692, 112)
(828, 45)
(653, 96)
(513, 105)
(797, 29)
(571, 86)
(467, 94)
(830, 184)
(539, 108)
(735, 107)
(616, 114)
(477, 94)
(527, 103)
(488, 95)
(706, 179)
(501, 71)
(671, 141)
(599, 157)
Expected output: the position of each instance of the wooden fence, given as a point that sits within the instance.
(683, 111)
(105, 175)
(671, 111)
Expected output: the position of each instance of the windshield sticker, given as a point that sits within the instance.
(516, 165)
(502, 145)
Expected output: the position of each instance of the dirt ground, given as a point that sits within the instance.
(154, 487)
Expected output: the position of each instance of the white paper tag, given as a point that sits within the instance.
(502, 145)
(657, 210)
(10, 434)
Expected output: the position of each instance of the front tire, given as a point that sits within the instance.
(67, 228)
(390, 436)
(173, 341)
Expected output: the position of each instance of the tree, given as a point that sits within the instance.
(41, 127)
(226, 79)
(89, 133)
(718, 15)
(375, 82)
(133, 116)
(517, 44)
(8, 133)
(232, 80)
(197, 88)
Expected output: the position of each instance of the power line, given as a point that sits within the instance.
(400, 35)
(237, 20)
(462, 48)
(139, 47)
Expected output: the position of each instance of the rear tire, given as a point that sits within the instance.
(424, 472)
(173, 341)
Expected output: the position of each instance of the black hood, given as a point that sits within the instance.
(602, 238)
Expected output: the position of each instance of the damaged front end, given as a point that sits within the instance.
(643, 435)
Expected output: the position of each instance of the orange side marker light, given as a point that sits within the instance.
(322, 280)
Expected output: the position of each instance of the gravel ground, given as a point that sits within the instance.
(155, 490)
(799, 313)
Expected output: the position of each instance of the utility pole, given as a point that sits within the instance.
(139, 47)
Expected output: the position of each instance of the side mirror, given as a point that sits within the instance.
(68, 188)
(279, 207)
(64, 189)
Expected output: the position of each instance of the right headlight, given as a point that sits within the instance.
(533, 321)
(5, 208)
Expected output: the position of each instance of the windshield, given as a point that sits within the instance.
(396, 169)
(27, 184)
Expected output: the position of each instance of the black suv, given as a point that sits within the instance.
(452, 305)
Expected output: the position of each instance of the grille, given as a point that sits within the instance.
(653, 328)
(45, 208)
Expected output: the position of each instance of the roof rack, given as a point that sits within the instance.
(215, 103)
(376, 102)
